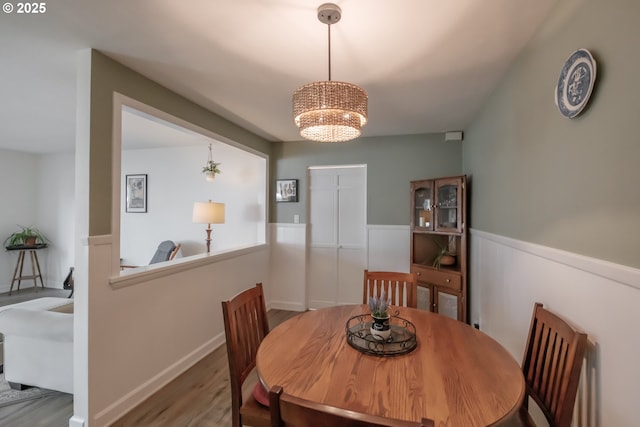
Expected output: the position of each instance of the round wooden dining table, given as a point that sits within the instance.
(456, 375)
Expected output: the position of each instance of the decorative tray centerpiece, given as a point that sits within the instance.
(402, 339)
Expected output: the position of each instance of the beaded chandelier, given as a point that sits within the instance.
(330, 111)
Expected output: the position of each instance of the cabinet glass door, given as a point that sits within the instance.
(424, 298)
(423, 206)
(448, 304)
(448, 205)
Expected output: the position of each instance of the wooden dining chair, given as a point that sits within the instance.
(396, 285)
(291, 411)
(551, 365)
(245, 326)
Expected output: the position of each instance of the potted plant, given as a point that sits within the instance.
(380, 328)
(444, 256)
(27, 236)
(210, 170)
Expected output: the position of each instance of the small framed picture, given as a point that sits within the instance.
(286, 190)
(136, 193)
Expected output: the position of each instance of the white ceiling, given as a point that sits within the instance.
(427, 65)
(141, 130)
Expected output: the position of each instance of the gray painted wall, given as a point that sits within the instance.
(392, 162)
(568, 184)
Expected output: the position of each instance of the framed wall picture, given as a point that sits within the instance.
(286, 190)
(136, 193)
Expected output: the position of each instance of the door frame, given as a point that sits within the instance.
(307, 190)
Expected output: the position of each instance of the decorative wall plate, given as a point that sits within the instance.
(575, 83)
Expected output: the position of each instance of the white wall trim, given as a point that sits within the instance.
(102, 239)
(286, 305)
(619, 273)
(76, 421)
(143, 274)
(287, 225)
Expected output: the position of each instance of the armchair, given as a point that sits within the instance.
(167, 251)
(38, 348)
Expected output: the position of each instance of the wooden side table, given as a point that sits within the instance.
(35, 265)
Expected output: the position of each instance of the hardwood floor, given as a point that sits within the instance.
(200, 397)
(49, 411)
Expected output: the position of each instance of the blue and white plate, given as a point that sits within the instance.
(575, 83)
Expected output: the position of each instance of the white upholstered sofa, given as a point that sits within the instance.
(38, 343)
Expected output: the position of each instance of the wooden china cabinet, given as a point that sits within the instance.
(438, 224)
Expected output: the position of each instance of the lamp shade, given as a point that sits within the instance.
(330, 111)
(208, 213)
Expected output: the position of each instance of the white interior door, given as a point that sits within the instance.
(337, 241)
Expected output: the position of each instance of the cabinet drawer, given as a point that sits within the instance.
(439, 278)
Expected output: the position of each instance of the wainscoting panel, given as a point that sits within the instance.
(287, 289)
(387, 249)
(508, 276)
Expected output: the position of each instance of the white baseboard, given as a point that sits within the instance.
(76, 421)
(287, 305)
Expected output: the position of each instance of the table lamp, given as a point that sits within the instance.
(208, 213)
